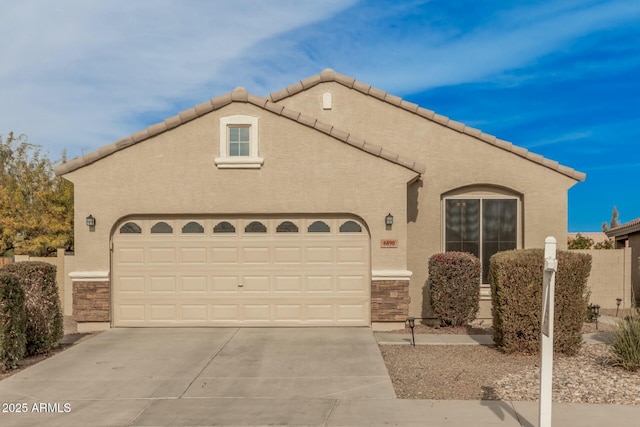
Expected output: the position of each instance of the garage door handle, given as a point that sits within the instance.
(240, 285)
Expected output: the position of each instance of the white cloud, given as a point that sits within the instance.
(78, 73)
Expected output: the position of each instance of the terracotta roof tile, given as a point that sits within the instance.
(340, 134)
(310, 82)
(188, 115)
(240, 94)
(289, 113)
(470, 131)
(427, 114)
(409, 106)
(221, 101)
(362, 87)
(355, 141)
(491, 139)
(372, 148)
(277, 96)
(331, 76)
(307, 120)
(443, 120)
(456, 125)
(392, 99)
(628, 227)
(204, 108)
(323, 127)
(377, 93)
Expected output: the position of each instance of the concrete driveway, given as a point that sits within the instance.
(199, 376)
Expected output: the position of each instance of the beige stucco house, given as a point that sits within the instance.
(318, 205)
(627, 235)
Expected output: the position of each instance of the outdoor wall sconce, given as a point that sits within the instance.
(618, 302)
(412, 323)
(388, 220)
(91, 221)
(596, 311)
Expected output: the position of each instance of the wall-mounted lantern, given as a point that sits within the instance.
(91, 221)
(388, 220)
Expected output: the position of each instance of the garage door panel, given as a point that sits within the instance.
(350, 312)
(241, 279)
(288, 284)
(193, 256)
(225, 312)
(225, 255)
(351, 255)
(255, 255)
(319, 255)
(224, 284)
(257, 312)
(288, 312)
(193, 284)
(162, 312)
(130, 312)
(194, 312)
(319, 284)
(129, 256)
(131, 284)
(352, 284)
(253, 284)
(162, 255)
(287, 255)
(162, 284)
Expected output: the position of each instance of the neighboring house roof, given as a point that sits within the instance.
(329, 75)
(626, 228)
(238, 95)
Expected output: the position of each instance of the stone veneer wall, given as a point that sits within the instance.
(389, 300)
(91, 301)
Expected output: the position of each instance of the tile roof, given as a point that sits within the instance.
(627, 227)
(329, 75)
(238, 95)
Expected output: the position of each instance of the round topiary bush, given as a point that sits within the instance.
(44, 322)
(12, 321)
(454, 286)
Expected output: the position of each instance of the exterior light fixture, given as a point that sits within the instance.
(91, 221)
(412, 323)
(618, 302)
(596, 311)
(388, 220)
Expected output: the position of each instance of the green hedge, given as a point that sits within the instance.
(44, 324)
(516, 292)
(12, 321)
(454, 286)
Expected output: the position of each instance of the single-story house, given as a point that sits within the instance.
(627, 235)
(317, 205)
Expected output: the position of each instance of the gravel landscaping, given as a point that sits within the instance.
(473, 372)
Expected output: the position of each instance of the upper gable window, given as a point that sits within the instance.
(239, 143)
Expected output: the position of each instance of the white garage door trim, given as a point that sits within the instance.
(231, 271)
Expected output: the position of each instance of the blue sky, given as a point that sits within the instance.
(560, 78)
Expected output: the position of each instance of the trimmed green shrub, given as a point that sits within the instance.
(625, 347)
(12, 321)
(44, 327)
(516, 293)
(454, 286)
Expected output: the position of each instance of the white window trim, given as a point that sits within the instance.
(252, 161)
(484, 292)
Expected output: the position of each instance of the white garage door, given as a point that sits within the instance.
(241, 272)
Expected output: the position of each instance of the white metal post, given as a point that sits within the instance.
(546, 336)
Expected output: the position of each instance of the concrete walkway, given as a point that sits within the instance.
(251, 377)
